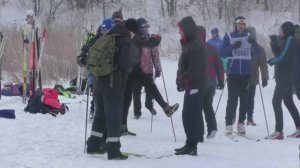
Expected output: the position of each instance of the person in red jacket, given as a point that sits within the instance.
(215, 80)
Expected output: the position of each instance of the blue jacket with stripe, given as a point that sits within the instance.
(238, 65)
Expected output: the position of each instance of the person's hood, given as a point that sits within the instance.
(120, 29)
(288, 29)
(252, 32)
(188, 27)
(202, 33)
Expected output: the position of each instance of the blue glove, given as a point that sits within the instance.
(90, 80)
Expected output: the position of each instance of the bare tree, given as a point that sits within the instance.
(54, 5)
(266, 3)
(162, 8)
(171, 7)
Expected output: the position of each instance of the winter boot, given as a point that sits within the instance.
(251, 122)
(95, 146)
(153, 111)
(275, 135)
(229, 129)
(211, 134)
(187, 150)
(169, 110)
(179, 149)
(124, 131)
(241, 128)
(118, 156)
(137, 114)
(113, 151)
(296, 134)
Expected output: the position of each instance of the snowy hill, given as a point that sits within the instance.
(42, 141)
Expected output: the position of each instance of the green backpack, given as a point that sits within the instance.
(101, 54)
(297, 34)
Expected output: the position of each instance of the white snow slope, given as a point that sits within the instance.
(43, 141)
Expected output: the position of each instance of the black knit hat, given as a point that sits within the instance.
(132, 25)
(117, 14)
(288, 29)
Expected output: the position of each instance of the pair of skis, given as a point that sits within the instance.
(235, 137)
(35, 50)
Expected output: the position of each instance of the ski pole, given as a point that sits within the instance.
(220, 97)
(263, 104)
(86, 118)
(162, 74)
(228, 70)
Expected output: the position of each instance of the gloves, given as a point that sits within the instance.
(90, 80)
(273, 38)
(157, 74)
(252, 40)
(264, 83)
(179, 84)
(270, 62)
(236, 44)
(82, 59)
(220, 86)
(179, 89)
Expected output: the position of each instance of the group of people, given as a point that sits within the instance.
(201, 68)
(133, 63)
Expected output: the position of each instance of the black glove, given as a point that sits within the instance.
(252, 40)
(264, 83)
(270, 62)
(273, 38)
(157, 74)
(220, 86)
(236, 44)
(179, 88)
(82, 59)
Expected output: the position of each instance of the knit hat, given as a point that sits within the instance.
(132, 25)
(142, 22)
(288, 29)
(117, 14)
(214, 30)
(107, 24)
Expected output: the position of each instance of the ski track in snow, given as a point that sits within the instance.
(43, 141)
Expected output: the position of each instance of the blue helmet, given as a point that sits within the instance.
(107, 24)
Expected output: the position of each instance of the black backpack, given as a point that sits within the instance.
(35, 105)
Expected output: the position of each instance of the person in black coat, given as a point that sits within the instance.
(109, 99)
(284, 49)
(137, 75)
(192, 77)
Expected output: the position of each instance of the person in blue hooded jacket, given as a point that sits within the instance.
(238, 46)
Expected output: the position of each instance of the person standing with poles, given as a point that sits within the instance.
(239, 47)
(192, 77)
(259, 62)
(284, 49)
(137, 75)
(149, 60)
(216, 81)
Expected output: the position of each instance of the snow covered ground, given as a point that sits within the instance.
(42, 141)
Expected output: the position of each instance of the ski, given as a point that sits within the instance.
(247, 137)
(40, 57)
(32, 60)
(25, 38)
(232, 136)
(2, 42)
(146, 156)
